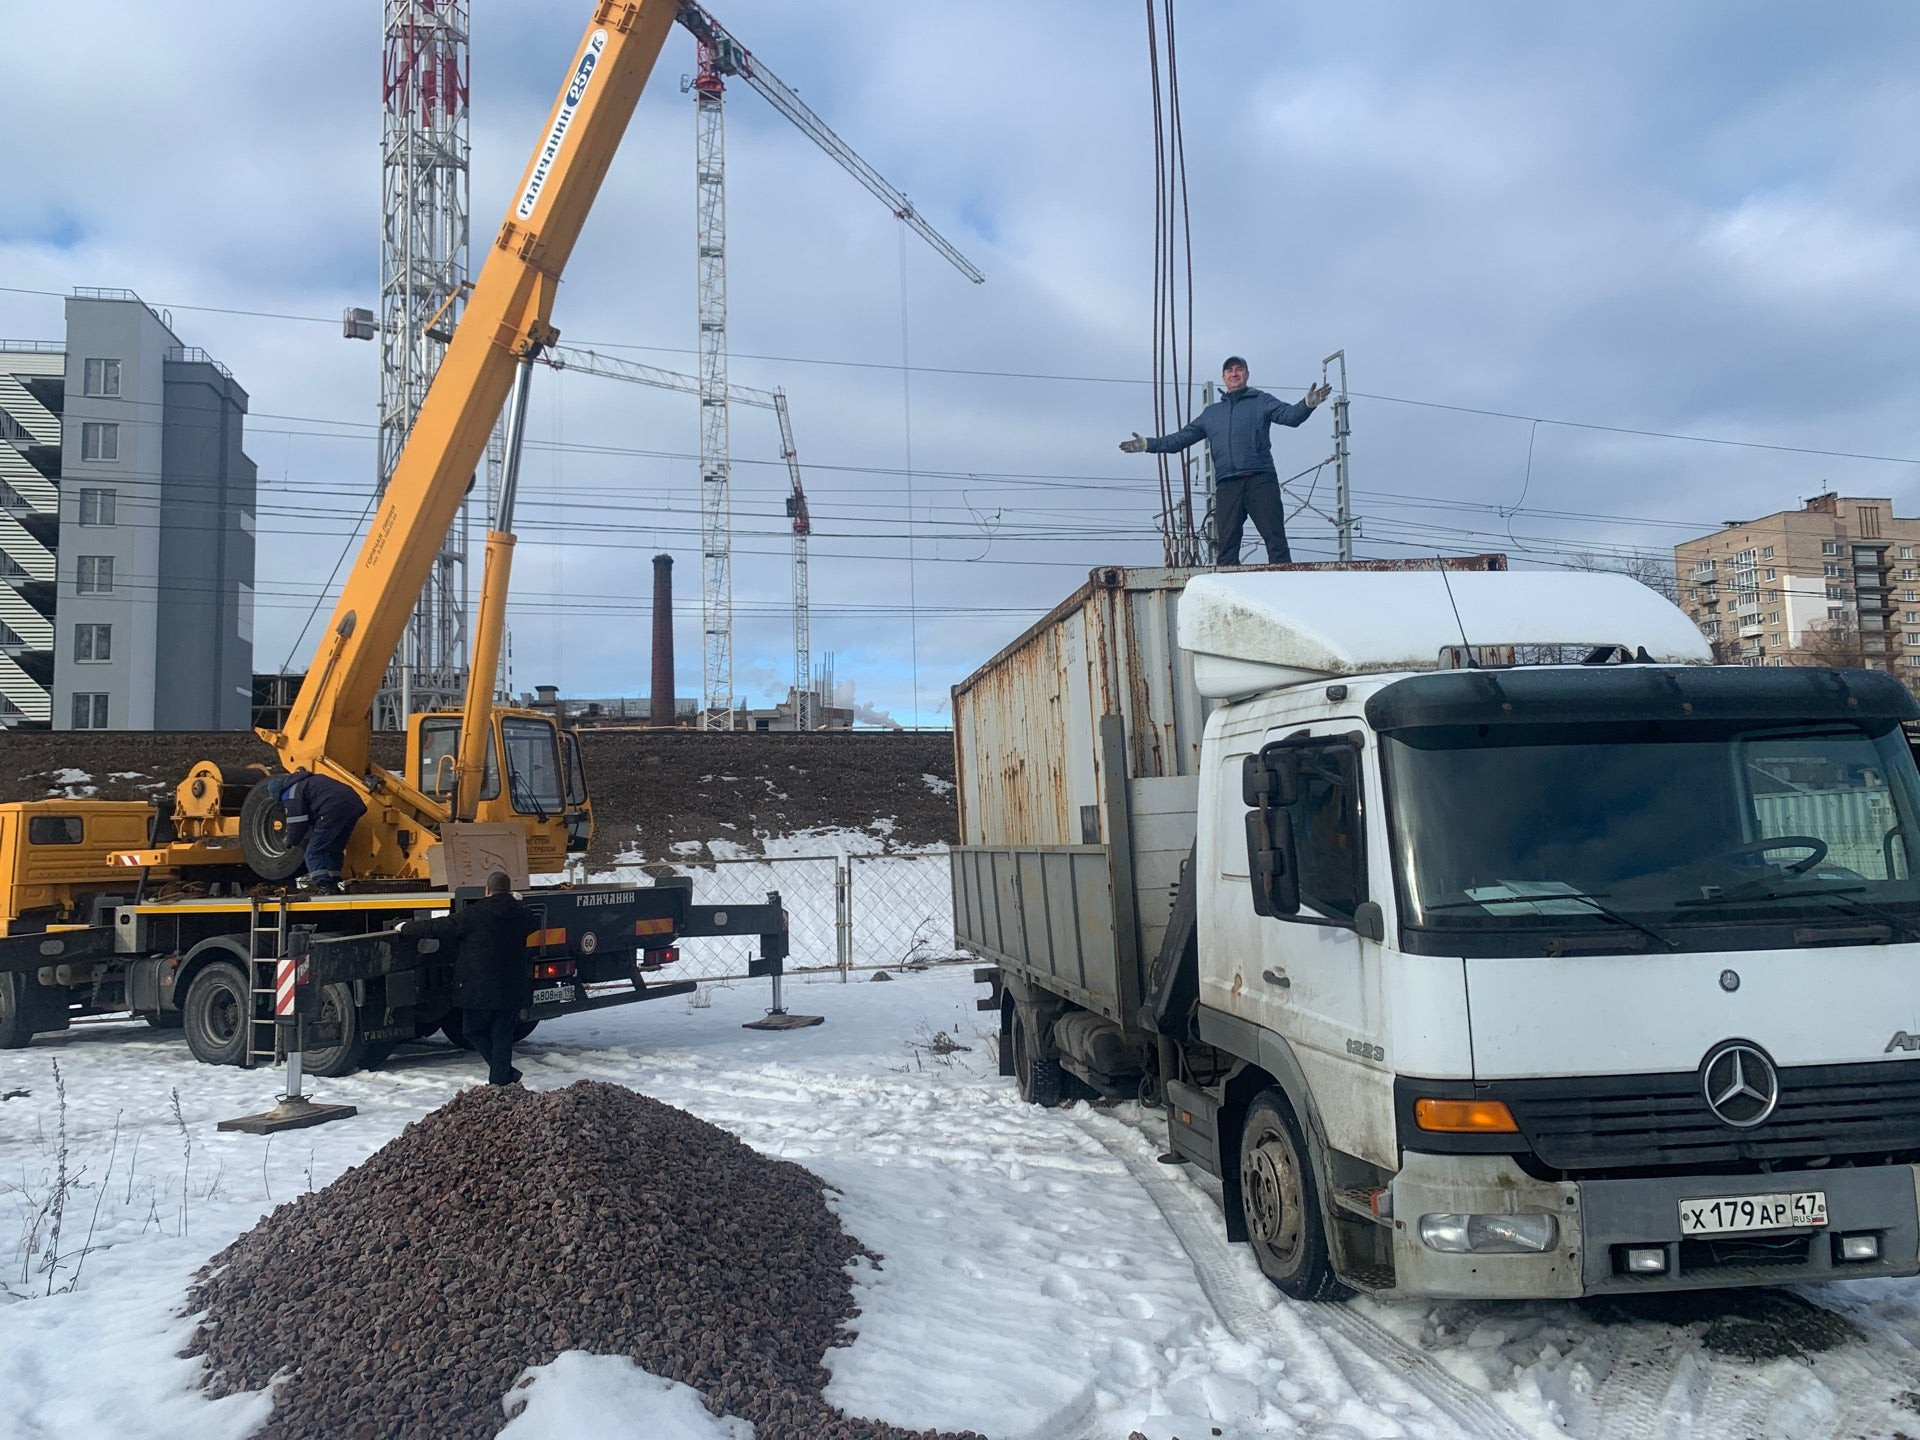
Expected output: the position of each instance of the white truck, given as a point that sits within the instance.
(1479, 935)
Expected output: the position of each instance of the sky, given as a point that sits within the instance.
(1547, 238)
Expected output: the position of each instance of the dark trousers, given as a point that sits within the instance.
(326, 851)
(491, 1032)
(1235, 497)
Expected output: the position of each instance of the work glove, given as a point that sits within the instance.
(1136, 445)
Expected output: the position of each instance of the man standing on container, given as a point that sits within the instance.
(1244, 480)
(492, 976)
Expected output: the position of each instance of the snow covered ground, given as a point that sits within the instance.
(1042, 1275)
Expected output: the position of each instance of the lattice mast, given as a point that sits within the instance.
(716, 504)
(721, 55)
(802, 617)
(423, 269)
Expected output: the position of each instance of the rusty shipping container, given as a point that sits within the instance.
(1076, 760)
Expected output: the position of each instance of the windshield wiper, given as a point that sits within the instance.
(1846, 896)
(1585, 896)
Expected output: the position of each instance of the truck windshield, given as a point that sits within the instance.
(1552, 828)
(533, 766)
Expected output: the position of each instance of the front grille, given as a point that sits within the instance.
(1658, 1121)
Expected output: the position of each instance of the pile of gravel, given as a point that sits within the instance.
(406, 1297)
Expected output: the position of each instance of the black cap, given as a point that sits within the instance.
(1231, 361)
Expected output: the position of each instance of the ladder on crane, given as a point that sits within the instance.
(266, 943)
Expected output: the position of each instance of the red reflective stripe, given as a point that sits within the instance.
(283, 987)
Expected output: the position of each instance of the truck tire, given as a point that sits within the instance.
(336, 1003)
(263, 836)
(1280, 1202)
(15, 1029)
(1040, 1078)
(216, 1014)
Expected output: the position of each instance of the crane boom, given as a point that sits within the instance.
(730, 57)
(507, 319)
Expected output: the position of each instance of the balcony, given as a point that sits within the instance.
(1706, 570)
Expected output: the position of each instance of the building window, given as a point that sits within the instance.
(102, 377)
(93, 643)
(1906, 552)
(1834, 612)
(1906, 572)
(1773, 618)
(97, 507)
(1773, 574)
(94, 576)
(1832, 569)
(1829, 547)
(99, 440)
(89, 710)
(1767, 554)
(1913, 637)
(1909, 596)
(1834, 592)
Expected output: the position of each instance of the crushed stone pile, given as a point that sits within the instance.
(405, 1298)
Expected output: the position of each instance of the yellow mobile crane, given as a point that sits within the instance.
(456, 763)
(73, 941)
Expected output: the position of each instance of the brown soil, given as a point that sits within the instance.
(652, 790)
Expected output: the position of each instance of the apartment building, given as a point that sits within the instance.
(126, 528)
(1834, 582)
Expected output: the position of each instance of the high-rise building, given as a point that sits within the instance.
(1835, 582)
(126, 528)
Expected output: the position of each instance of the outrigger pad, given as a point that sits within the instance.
(781, 1020)
(288, 1115)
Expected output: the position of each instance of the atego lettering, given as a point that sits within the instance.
(1902, 1041)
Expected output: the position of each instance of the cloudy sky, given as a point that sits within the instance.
(1692, 221)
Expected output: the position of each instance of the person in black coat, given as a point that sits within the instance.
(492, 976)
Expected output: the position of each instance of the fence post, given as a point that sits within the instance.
(843, 914)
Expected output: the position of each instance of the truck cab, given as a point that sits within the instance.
(1476, 931)
(546, 782)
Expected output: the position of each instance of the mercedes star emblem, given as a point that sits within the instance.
(1740, 1084)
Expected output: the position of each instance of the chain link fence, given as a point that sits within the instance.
(845, 913)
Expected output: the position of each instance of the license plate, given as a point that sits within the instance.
(1739, 1214)
(553, 995)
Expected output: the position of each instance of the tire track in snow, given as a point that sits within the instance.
(1197, 1228)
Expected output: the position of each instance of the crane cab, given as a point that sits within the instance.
(545, 784)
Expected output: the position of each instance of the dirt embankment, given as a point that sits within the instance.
(652, 790)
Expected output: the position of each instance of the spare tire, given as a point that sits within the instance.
(263, 836)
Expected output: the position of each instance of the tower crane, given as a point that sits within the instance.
(722, 56)
(591, 362)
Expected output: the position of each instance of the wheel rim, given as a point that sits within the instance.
(1270, 1183)
(223, 1016)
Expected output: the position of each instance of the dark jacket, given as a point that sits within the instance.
(1235, 429)
(318, 802)
(491, 968)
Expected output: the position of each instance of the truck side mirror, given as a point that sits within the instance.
(1272, 861)
(1272, 777)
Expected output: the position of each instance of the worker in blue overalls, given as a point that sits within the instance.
(321, 811)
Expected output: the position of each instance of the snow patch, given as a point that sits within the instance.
(937, 785)
(608, 1397)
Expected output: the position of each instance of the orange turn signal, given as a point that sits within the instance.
(1464, 1117)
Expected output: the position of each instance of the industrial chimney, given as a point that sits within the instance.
(662, 709)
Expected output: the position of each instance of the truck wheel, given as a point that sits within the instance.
(216, 1014)
(15, 1029)
(454, 1027)
(1041, 1081)
(1281, 1203)
(336, 1003)
(263, 836)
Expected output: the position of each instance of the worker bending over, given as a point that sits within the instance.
(321, 811)
(492, 976)
(1244, 480)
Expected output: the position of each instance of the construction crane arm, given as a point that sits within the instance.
(730, 57)
(612, 367)
(506, 320)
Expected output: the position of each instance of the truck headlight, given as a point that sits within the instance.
(1490, 1234)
